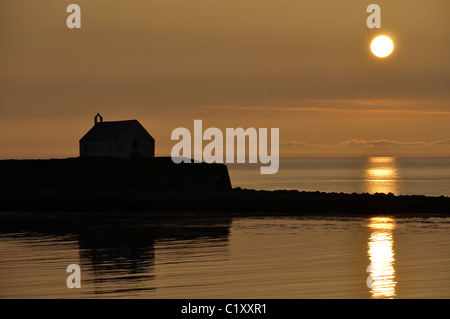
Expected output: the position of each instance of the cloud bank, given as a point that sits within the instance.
(361, 147)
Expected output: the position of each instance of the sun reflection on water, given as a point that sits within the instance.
(381, 175)
(381, 255)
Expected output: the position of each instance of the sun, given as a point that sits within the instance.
(382, 46)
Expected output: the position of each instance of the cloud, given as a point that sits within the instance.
(381, 143)
(360, 147)
(445, 142)
(371, 143)
(338, 110)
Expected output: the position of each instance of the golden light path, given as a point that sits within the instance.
(382, 258)
(381, 175)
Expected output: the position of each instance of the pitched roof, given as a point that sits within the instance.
(108, 130)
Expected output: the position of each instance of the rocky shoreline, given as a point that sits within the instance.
(236, 202)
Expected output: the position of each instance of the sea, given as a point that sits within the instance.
(400, 176)
(138, 255)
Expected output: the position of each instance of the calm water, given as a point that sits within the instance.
(139, 256)
(405, 176)
(135, 256)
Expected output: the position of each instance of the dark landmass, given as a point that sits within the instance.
(161, 188)
(111, 174)
(237, 202)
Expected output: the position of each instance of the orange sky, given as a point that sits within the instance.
(301, 66)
